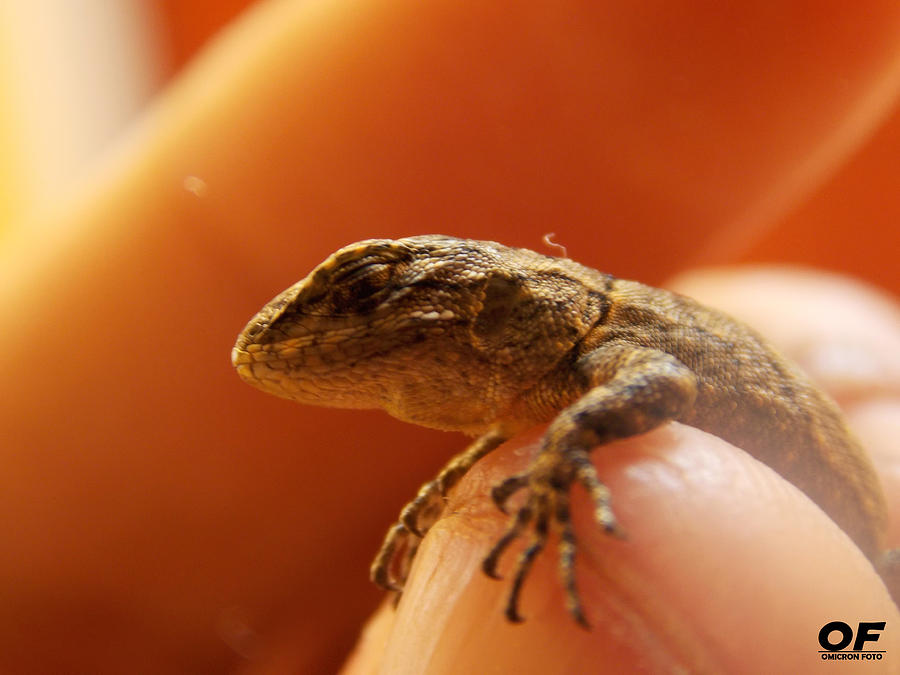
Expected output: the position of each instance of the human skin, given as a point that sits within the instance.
(157, 506)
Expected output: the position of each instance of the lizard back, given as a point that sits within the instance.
(754, 398)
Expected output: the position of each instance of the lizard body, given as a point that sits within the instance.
(486, 339)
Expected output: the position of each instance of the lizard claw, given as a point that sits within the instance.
(489, 567)
(520, 520)
(501, 492)
(513, 616)
(381, 572)
(420, 514)
(409, 518)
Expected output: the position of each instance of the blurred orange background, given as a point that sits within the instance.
(202, 156)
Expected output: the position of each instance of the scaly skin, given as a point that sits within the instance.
(478, 337)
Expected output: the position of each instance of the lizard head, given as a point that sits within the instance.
(439, 331)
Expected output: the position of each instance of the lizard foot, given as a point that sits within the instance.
(546, 507)
(391, 566)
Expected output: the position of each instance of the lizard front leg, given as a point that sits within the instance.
(636, 390)
(419, 515)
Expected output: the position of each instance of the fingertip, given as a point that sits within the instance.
(715, 539)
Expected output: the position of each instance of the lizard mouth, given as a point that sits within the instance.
(272, 371)
(308, 368)
(259, 358)
(255, 366)
(265, 364)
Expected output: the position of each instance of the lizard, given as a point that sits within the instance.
(474, 336)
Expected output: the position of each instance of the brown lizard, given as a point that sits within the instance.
(486, 339)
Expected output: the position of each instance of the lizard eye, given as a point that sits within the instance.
(354, 280)
(366, 280)
(360, 288)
